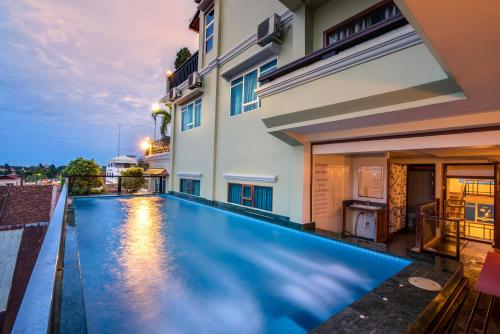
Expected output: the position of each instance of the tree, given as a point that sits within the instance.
(135, 179)
(7, 169)
(182, 55)
(166, 118)
(77, 170)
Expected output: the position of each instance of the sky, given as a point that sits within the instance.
(72, 71)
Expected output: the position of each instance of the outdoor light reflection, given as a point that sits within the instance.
(144, 260)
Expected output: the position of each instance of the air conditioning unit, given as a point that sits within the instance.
(174, 94)
(269, 30)
(194, 80)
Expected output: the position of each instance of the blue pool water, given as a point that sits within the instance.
(158, 264)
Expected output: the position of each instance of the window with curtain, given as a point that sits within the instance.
(258, 197)
(243, 96)
(191, 115)
(189, 186)
(209, 30)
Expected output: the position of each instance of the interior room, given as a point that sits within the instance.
(376, 195)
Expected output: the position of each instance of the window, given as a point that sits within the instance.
(191, 187)
(243, 97)
(209, 30)
(252, 196)
(363, 23)
(191, 115)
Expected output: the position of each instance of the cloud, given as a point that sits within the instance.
(82, 67)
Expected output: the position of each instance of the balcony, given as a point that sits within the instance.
(371, 23)
(160, 146)
(183, 72)
(370, 67)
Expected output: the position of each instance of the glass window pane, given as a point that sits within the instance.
(209, 17)
(189, 116)
(197, 113)
(209, 44)
(250, 107)
(196, 187)
(234, 195)
(236, 99)
(183, 122)
(268, 67)
(250, 84)
(210, 30)
(263, 198)
(247, 191)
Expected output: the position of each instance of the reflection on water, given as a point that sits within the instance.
(142, 254)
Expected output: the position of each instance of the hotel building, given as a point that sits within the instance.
(347, 116)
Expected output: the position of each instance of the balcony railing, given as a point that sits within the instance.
(183, 72)
(160, 146)
(349, 33)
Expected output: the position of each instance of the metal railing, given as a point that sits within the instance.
(480, 187)
(334, 48)
(160, 146)
(441, 236)
(36, 314)
(118, 185)
(183, 72)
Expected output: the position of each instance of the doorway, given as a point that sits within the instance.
(470, 198)
(420, 190)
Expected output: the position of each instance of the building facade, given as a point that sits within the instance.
(118, 164)
(298, 110)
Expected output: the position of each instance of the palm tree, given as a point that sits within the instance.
(166, 118)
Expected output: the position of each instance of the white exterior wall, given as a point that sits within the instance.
(238, 144)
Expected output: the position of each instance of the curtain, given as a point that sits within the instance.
(196, 187)
(234, 195)
(263, 198)
(197, 113)
(236, 96)
(184, 186)
(183, 119)
(397, 197)
(250, 84)
(189, 116)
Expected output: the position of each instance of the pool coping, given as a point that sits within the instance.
(394, 306)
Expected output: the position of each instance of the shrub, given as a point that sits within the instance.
(77, 170)
(133, 184)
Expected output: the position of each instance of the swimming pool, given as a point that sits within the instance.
(159, 264)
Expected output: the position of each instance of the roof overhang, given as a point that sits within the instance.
(194, 22)
(156, 172)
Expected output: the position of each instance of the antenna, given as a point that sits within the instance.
(118, 139)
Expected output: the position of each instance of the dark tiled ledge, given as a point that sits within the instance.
(250, 212)
(396, 306)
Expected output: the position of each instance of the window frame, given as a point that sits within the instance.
(190, 186)
(251, 199)
(242, 77)
(205, 28)
(185, 109)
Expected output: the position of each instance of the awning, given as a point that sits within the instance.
(156, 172)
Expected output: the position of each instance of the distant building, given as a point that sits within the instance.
(10, 179)
(116, 165)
